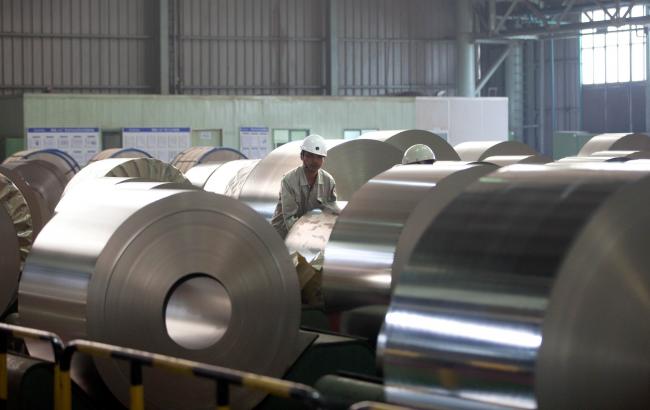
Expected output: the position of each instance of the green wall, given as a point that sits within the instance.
(11, 117)
(327, 116)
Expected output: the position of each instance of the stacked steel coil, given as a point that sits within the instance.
(505, 160)
(145, 168)
(120, 153)
(480, 150)
(352, 163)
(41, 183)
(529, 289)
(404, 139)
(229, 178)
(615, 142)
(60, 159)
(359, 255)
(205, 155)
(185, 273)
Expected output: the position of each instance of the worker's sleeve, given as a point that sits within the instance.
(289, 198)
(332, 193)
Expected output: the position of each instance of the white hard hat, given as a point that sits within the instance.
(418, 153)
(314, 144)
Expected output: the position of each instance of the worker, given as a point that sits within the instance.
(305, 188)
(418, 154)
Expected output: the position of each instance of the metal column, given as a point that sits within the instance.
(515, 90)
(542, 98)
(333, 48)
(465, 57)
(164, 46)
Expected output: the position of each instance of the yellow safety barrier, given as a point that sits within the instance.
(371, 405)
(222, 376)
(6, 331)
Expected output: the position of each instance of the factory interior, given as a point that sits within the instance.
(324, 204)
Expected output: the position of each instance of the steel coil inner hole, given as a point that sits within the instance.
(197, 311)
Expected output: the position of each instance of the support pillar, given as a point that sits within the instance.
(515, 91)
(333, 48)
(465, 55)
(164, 46)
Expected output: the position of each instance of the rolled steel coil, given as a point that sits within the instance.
(147, 168)
(14, 203)
(352, 163)
(530, 289)
(229, 178)
(505, 160)
(205, 155)
(36, 204)
(189, 274)
(604, 156)
(359, 256)
(404, 139)
(43, 178)
(480, 150)
(9, 261)
(615, 142)
(61, 159)
(120, 153)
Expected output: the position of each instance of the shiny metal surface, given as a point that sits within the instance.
(404, 139)
(198, 175)
(358, 267)
(505, 160)
(475, 302)
(149, 168)
(120, 153)
(43, 177)
(121, 278)
(229, 178)
(309, 235)
(622, 155)
(60, 159)
(15, 204)
(193, 156)
(480, 150)
(36, 204)
(9, 261)
(616, 142)
(352, 163)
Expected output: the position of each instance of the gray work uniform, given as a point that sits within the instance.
(296, 198)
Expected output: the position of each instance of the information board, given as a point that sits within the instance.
(81, 143)
(254, 142)
(161, 143)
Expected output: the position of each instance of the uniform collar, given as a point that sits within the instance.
(303, 177)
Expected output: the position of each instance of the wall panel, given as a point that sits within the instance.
(77, 46)
(395, 47)
(251, 46)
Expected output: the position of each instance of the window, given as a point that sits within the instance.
(282, 136)
(350, 134)
(613, 54)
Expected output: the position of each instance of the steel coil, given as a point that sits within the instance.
(37, 207)
(189, 274)
(148, 168)
(42, 177)
(229, 178)
(352, 163)
(529, 289)
(404, 139)
(359, 256)
(61, 159)
(193, 156)
(15, 204)
(480, 150)
(505, 160)
(9, 261)
(120, 153)
(615, 142)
